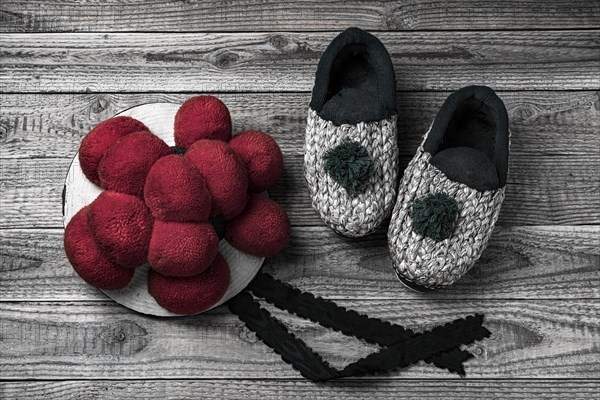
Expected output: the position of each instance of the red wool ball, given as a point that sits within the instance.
(121, 225)
(202, 117)
(88, 260)
(125, 165)
(263, 229)
(262, 157)
(224, 174)
(193, 294)
(175, 191)
(182, 248)
(100, 139)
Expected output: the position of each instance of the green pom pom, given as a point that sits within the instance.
(349, 165)
(434, 216)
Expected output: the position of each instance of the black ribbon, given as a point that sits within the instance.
(402, 347)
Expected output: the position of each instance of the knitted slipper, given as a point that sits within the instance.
(450, 196)
(350, 152)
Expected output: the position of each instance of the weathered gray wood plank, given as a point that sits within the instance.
(245, 15)
(467, 389)
(554, 174)
(539, 285)
(553, 262)
(134, 62)
(548, 189)
(531, 339)
(52, 125)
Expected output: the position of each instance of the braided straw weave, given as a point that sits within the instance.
(358, 215)
(422, 260)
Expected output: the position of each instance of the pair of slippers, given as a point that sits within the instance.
(444, 208)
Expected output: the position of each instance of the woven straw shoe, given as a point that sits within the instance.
(450, 196)
(351, 152)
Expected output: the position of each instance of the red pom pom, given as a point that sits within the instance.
(202, 117)
(262, 157)
(87, 259)
(263, 229)
(224, 174)
(125, 165)
(100, 139)
(175, 191)
(193, 294)
(122, 226)
(182, 248)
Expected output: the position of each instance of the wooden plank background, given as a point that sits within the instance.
(67, 65)
(286, 61)
(303, 15)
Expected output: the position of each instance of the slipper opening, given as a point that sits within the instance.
(355, 80)
(469, 138)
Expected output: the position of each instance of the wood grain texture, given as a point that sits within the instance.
(52, 125)
(554, 176)
(270, 15)
(545, 190)
(465, 389)
(531, 339)
(538, 282)
(226, 62)
(553, 262)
